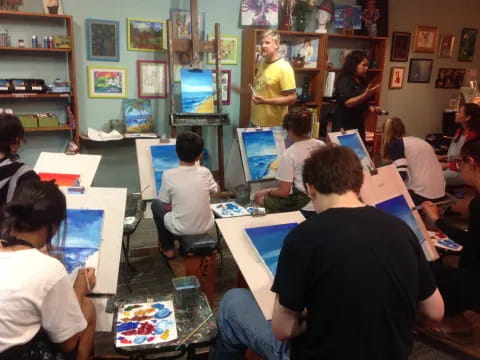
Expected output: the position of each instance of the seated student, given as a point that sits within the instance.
(291, 194)
(342, 292)
(12, 172)
(468, 117)
(415, 160)
(183, 204)
(459, 286)
(41, 314)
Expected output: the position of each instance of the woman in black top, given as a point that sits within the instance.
(352, 94)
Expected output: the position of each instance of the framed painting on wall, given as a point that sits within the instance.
(107, 82)
(420, 70)
(425, 39)
(182, 24)
(102, 40)
(225, 84)
(400, 46)
(449, 78)
(259, 12)
(228, 50)
(467, 44)
(397, 75)
(374, 17)
(152, 79)
(445, 45)
(145, 35)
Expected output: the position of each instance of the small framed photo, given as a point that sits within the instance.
(152, 79)
(108, 82)
(145, 35)
(445, 46)
(225, 84)
(420, 70)
(228, 50)
(400, 46)
(467, 44)
(182, 24)
(102, 40)
(397, 75)
(425, 39)
(449, 78)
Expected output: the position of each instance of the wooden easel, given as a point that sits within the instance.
(195, 47)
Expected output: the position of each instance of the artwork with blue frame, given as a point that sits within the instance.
(268, 241)
(83, 236)
(197, 90)
(103, 40)
(399, 208)
(261, 152)
(164, 157)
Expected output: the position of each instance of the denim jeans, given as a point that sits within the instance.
(241, 325)
(165, 237)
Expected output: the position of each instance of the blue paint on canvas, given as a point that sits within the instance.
(398, 207)
(268, 240)
(197, 91)
(353, 142)
(261, 151)
(164, 157)
(83, 237)
(137, 114)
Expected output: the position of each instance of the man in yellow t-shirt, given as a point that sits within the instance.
(274, 84)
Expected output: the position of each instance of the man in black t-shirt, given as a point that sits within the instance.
(349, 282)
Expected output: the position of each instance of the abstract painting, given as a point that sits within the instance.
(102, 40)
(145, 323)
(259, 12)
(229, 209)
(61, 179)
(399, 208)
(83, 235)
(261, 154)
(268, 241)
(107, 82)
(137, 114)
(164, 157)
(197, 91)
(145, 35)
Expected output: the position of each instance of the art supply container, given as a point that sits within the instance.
(242, 194)
(187, 292)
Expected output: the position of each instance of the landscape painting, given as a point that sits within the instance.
(137, 114)
(145, 35)
(107, 82)
(197, 91)
(164, 157)
(354, 142)
(268, 241)
(261, 154)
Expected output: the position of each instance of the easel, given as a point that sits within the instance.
(195, 47)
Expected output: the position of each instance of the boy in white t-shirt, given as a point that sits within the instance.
(183, 204)
(290, 194)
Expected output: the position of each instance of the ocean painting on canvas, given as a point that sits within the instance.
(398, 207)
(268, 241)
(197, 91)
(137, 114)
(261, 153)
(164, 157)
(82, 239)
(353, 141)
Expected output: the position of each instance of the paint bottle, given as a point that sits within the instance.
(50, 42)
(34, 41)
(45, 42)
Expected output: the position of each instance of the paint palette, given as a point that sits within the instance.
(145, 324)
(229, 209)
(441, 240)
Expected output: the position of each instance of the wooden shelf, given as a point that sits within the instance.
(305, 69)
(27, 49)
(32, 15)
(335, 69)
(41, 129)
(356, 37)
(35, 96)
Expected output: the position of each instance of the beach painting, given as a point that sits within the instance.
(145, 324)
(260, 155)
(268, 242)
(83, 235)
(398, 206)
(197, 91)
(352, 140)
(137, 114)
(164, 157)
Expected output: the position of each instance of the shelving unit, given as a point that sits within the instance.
(11, 54)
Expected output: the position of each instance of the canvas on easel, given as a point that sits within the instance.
(197, 91)
(164, 157)
(352, 140)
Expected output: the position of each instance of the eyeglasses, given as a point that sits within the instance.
(459, 164)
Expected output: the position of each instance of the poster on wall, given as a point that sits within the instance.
(374, 17)
(259, 12)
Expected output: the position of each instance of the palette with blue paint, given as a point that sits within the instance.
(229, 209)
(145, 324)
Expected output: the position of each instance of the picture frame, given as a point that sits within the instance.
(108, 82)
(145, 35)
(226, 84)
(103, 43)
(228, 50)
(53, 7)
(182, 24)
(400, 46)
(397, 76)
(445, 45)
(259, 13)
(467, 44)
(449, 78)
(152, 79)
(420, 70)
(425, 39)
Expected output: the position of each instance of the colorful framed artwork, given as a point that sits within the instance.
(225, 85)
(420, 70)
(137, 114)
(467, 44)
(260, 12)
(228, 50)
(397, 75)
(400, 46)
(445, 45)
(145, 35)
(449, 78)
(182, 24)
(107, 82)
(152, 79)
(425, 39)
(102, 40)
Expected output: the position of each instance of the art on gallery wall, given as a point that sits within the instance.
(197, 91)
(374, 17)
(225, 85)
(425, 39)
(164, 157)
(102, 40)
(182, 24)
(397, 75)
(228, 50)
(420, 70)
(107, 82)
(145, 35)
(445, 45)
(468, 39)
(259, 12)
(137, 114)
(152, 79)
(449, 78)
(400, 46)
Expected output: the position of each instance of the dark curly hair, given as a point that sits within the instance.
(351, 62)
(11, 132)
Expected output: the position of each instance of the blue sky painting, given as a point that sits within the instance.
(164, 157)
(261, 151)
(398, 207)
(353, 141)
(197, 91)
(268, 240)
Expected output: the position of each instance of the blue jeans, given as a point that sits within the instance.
(241, 325)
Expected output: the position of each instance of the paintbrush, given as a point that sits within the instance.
(193, 332)
(439, 203)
